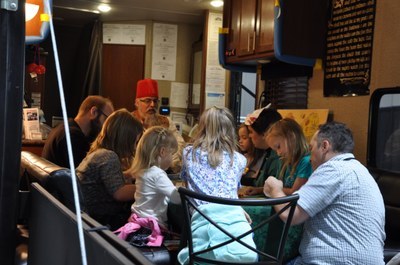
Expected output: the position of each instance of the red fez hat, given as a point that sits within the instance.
(147, 88)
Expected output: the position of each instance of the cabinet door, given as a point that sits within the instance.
(232, 21)
(265, 26)
(247, 27)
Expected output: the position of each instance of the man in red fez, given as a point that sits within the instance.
(146, 103)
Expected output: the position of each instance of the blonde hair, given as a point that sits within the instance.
(155, 120)
(296, 142)
(149, 147)
(216, 133)
(119, 134)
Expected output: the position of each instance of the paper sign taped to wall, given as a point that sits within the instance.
(309, 119)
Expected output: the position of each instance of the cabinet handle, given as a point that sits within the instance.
(254, 40)
(248, 42)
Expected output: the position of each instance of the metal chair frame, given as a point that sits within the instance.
(189, 206)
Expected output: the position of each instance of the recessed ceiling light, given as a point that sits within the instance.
(104, 8)
(217, 3)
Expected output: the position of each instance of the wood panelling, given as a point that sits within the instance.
(123, 66)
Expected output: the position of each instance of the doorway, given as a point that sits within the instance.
(122, 67)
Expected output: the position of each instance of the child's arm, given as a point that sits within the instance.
(166, 187)
(296, 185)
(175, 197)
(125, 193)
(253, 190)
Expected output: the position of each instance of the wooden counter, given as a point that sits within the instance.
(33, 146)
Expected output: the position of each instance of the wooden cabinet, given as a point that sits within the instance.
(265, 26)
(300, 29)
(251, 28)
(247, 33)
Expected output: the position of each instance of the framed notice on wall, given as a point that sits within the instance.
(124, 34)
(349, 48)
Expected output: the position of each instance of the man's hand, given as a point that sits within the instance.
(273, 187)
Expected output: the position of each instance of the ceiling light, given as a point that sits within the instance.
(217, 3)
(104, 8)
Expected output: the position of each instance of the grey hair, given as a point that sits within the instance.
(338, 134)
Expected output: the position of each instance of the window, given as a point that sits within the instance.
(384, 130)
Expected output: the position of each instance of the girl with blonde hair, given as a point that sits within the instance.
(153, 187)
(212, 164)
(106, 192)
(286, 137)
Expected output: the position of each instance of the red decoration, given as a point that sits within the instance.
(31, 67)
(38, 68)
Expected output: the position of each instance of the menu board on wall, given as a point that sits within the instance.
(349, 48)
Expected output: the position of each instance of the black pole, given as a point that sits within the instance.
(12, 57)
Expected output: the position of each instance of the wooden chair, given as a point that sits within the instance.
(190, 208)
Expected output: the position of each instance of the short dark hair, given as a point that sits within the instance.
(266, 118)
(94, 101)
(338, 134)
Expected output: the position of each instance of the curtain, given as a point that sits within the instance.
(92, 80)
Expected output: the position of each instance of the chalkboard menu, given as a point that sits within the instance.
(349, 48)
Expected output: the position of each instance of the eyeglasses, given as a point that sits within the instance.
(102, 113)
(148, 101)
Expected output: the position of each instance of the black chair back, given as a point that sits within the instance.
(59, 183)
(190, 207)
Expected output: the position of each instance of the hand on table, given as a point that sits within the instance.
(272, 185)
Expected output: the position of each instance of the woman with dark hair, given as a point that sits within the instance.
(258, 124)
(107, 193)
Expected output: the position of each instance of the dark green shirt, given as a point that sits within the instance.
(270, 167)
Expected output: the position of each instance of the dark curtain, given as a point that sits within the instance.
(74, 44)
(92, 81)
